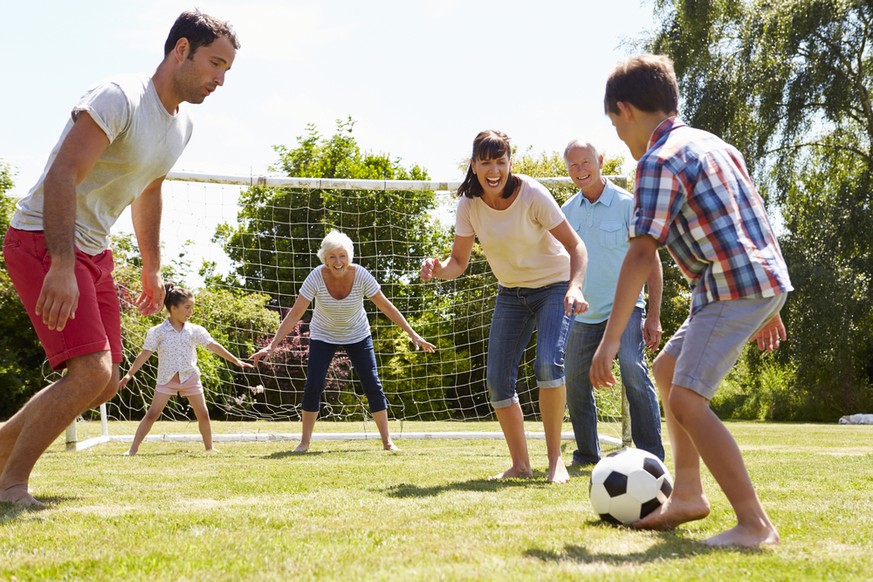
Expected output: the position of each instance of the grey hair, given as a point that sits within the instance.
(581, 144)
(336, 240)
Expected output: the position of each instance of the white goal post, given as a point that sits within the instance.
(266, 245)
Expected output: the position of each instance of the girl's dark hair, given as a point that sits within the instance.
(175, 295)
(200, 29)
(488, 145)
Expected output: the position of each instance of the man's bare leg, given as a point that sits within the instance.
(512, 424)
(553, 403)
(687, 502)
(46, 415)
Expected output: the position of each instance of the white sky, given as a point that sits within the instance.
(420, 77)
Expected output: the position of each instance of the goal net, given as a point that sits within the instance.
(244, 246)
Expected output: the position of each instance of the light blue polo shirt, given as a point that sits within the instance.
(603, 227)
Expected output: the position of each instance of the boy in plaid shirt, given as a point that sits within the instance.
(694, 195)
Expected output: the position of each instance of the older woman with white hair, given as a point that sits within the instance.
(338, 288)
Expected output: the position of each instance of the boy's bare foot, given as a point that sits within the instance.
(513, 473)
(558, 472)
(390, 447)
(212, 451)
(673, 513)
(128, 454)
(766, 535)
(301, 448)
(18, 495)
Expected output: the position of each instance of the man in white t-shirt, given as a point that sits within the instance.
(123, 137)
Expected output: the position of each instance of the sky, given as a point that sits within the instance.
(420, 77)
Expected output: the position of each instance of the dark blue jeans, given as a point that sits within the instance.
(363, 359)
(641, 395)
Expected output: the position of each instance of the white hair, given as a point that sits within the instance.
(581, 144)
(336, 240)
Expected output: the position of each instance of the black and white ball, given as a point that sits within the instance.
(628, 485)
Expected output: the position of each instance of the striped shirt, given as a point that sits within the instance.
(339, 321)
(694, 195)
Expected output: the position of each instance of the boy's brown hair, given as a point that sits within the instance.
(648, 82)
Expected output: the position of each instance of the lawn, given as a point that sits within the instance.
(349, 511)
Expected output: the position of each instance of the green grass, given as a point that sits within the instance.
(350, 511)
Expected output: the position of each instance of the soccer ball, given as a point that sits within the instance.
(628, 485)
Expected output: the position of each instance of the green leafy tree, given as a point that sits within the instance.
(21, 367)
(279, 230)
(790, 83)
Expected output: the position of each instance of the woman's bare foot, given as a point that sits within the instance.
(389, 446)
(128, 454)
(301, 448)
(18, 495)
(765, 535)
(513, 473)
(673, 513)
(558, 472)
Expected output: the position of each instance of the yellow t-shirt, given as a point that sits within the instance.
(517, 243)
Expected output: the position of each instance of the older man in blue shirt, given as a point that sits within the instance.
(601, 212)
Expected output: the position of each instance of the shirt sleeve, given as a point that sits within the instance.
(151, 341)
(660, 195)
(108, 106)
(463, 224)
(544, 208)
(201, 336)
(368, 283)
(309, 288)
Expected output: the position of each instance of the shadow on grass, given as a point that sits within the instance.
(10, 511)
(671, 546)
(290, 453)
(406, 490)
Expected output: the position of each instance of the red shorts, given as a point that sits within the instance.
(97, 325)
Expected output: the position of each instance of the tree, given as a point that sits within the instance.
(21, 368)
(790, 83)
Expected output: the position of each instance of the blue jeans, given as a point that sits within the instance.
(363, 359)
(641, 395)
(517, 312)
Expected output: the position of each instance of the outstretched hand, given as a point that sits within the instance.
(771, 334)
(260, 354)
(421, 344)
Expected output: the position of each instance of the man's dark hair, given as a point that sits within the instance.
(648, 82)
(200, 29)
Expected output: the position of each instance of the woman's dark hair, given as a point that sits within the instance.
(488, 145)
(175, 296)
(200, 29)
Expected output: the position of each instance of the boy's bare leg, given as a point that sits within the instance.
(381, 420)
(687, 502)
(723, 458)
(553, 403)
(309, 419)
(45, 416)
(511, 422)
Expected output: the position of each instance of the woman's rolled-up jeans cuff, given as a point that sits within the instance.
(505, 403)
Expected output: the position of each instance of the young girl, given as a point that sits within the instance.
(175, 340)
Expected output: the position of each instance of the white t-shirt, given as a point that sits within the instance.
(339, 321)
(144, 143)
(176, 349)
(516, 241)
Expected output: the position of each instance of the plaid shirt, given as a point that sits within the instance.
(694, 195)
